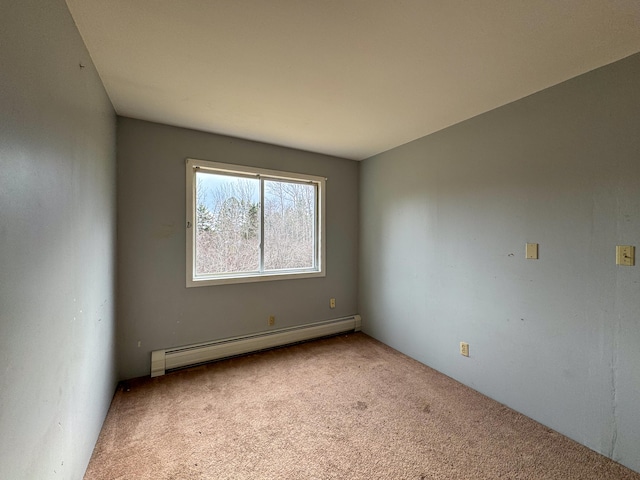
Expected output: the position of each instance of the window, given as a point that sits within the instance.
(248, 224)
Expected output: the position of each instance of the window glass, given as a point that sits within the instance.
(227, 224)
(289, 225)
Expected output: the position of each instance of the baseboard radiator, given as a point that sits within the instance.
(169, 359)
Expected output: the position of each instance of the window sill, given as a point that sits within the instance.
(249, 278)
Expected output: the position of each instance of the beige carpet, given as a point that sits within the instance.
(347, 407)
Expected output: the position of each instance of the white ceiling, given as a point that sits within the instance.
(350, 78)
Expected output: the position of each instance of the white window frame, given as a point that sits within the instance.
(193, 165)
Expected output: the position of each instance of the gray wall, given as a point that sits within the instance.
(154, 306)
(57, 245)
(444, 221)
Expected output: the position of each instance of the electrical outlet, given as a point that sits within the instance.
(272, 320)
(464, 349)
(332, 303)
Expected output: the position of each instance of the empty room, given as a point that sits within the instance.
(295, 239)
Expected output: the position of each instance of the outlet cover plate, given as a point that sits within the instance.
(625, 255)
(531, 251)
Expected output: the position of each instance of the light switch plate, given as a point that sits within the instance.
(625, 255)
(531, 251)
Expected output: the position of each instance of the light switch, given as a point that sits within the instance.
(531, 251)
(625, 255)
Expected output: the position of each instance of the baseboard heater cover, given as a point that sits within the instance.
(179, 357)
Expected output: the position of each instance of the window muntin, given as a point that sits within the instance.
(247, 224)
